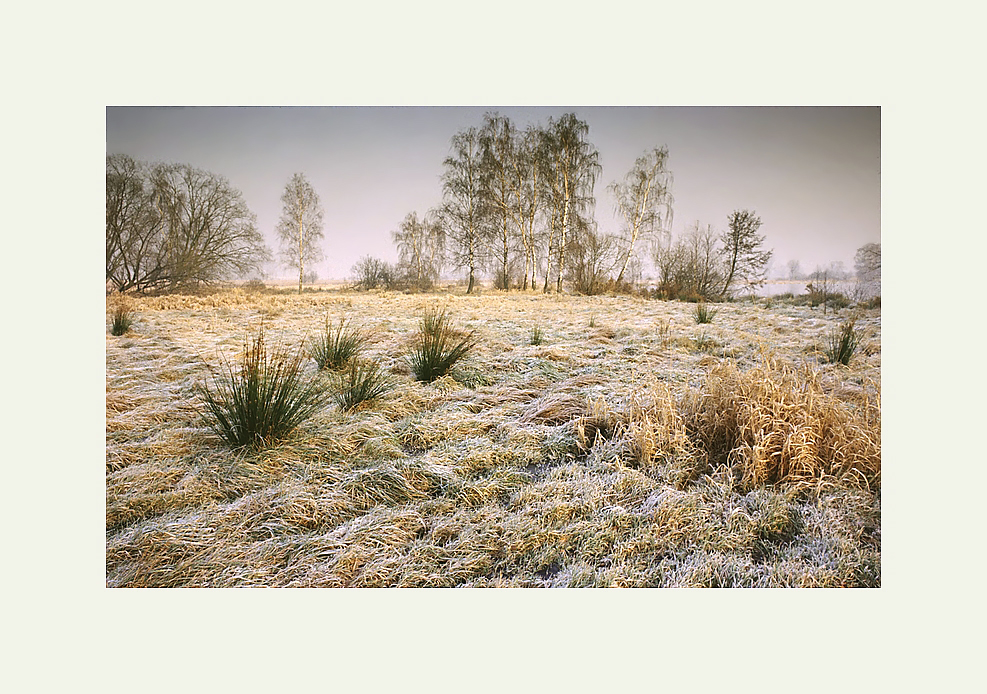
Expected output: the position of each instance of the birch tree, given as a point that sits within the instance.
(574, 165)
(421, 245)
(644, 201)
(463, 209)
(498, 138)
(300, 226)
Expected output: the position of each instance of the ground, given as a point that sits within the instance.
(591, 459)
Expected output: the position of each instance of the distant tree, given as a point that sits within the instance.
(644, 201)
(421, 248)
(794, 270)
(744, 258)
(867, 264)
(574, 164)
(373, 273)
(464, 210)
(300, 226)
(171, 226)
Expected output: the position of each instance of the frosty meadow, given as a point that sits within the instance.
(628, 445)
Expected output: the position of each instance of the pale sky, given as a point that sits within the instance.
(813, 175)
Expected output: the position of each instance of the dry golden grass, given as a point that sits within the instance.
(616, 454)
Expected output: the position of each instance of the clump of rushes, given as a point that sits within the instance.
(438, 346)
(262, 399)
(337, 345)
(704, 314)
(537, 336)
(123, 319)
(843, 342)
(363, 382)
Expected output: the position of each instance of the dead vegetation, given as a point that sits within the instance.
(612, 455)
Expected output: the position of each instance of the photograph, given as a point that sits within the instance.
(493, 346)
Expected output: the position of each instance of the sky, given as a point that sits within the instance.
(812, 174)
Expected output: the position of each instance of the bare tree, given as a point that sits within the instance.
(135, 234)
(692, 266)
(744, 259)
(867, 264)
(421, 246)
(644, 200)
(592, 259)
(794, 270)
(574, 163)
(171, 226)
(300, 226)
(463, 210)
(373, 273)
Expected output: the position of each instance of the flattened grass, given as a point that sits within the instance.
(615, 458)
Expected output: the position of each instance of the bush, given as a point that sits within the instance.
(263, 399)
(537, 336)
(363, 382)
(335, 347)
(843, 342)
(123, 320)
(438, 346)
(704, 314)
(373, 273)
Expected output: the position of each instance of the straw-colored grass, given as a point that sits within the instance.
(614, 455)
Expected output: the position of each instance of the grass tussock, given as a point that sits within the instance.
(263, 398)
(843, 343)
(703, 313)
(363, 382)
(438, 346)
(336, 346)
(121, 319)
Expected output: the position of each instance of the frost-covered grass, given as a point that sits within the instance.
(614, 453)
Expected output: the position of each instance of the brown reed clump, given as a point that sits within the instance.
(775, 425)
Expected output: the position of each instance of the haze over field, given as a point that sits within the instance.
(811, 174)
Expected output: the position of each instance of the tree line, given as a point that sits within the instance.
(171, 227)
(518, 205)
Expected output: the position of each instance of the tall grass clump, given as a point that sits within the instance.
(704, 314)
(843, 342)
(263, 398)
(123, 320)
(438, 346)
(336, 346)
(776, 425)
(363, 382)
(537, 336)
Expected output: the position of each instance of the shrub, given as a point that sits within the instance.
(843, 342)
(363, 382)
(704, 314)
(123, 320)
(334, 347)
(537, 336)
(264, 398)
(438, 346)
(373, 273)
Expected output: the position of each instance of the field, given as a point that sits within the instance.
(632, 447)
